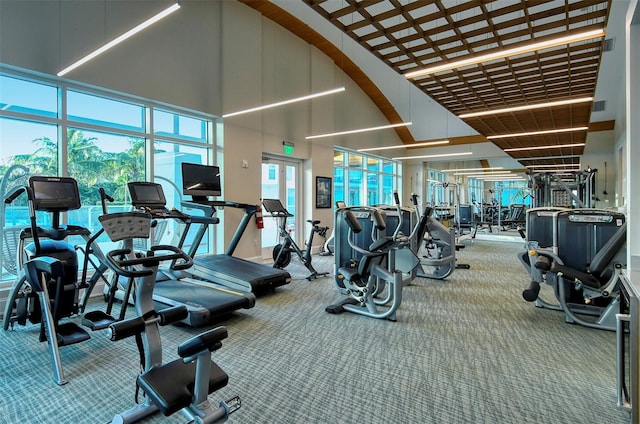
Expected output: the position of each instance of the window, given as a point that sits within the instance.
(174, 124)
(475, 190)
(364, 179)
(435, 191)
(109, 139)
(513, 192)
(98, 110)
(23, 96)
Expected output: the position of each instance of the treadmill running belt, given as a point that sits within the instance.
(239, 273)
(203, 301)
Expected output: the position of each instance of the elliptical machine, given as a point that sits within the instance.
(47, 289)
(282, 252)
(184, 383)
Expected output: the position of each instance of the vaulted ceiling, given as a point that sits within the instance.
(411, 35)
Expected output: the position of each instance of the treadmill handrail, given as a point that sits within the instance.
(209, 209)
(221, 204)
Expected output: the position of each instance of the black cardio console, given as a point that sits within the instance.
(204, 300)
(202, 182)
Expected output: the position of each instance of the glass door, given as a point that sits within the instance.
(279, 181)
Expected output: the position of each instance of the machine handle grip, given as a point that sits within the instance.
(414, 199)
(396, 198)
(352, 222)
(119, 265)
(14, 194)
(187, 262)
(104, 198)
(104, 195)
(378, 220)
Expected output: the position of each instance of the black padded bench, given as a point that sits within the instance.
(172, 386)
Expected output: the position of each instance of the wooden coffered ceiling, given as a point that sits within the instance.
(411, 35)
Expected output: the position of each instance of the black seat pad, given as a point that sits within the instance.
(584, 277)
(170, 386)
(350, 274)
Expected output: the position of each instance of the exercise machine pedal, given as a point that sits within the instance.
(338, 308)
(97, 320)
(70, 333)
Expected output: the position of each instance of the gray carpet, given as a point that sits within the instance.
(466, 350)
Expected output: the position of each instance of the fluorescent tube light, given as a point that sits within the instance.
(526, 107)
(502, 53)
(120, 39)
(483, 173)
(285, 102)
(551, 157)
(556, 171)
(433, 156)
(557, 146)
(561, 130)
(472, 169)
(554, 166)
(383, 127)
(428, 143)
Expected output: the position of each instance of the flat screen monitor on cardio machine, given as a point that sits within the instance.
(147, 195)
(201, 181)
(54, 194)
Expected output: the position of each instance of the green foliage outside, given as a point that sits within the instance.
(88, 164)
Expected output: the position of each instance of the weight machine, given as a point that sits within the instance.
(571, 189)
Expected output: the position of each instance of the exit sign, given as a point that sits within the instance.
(287, 147)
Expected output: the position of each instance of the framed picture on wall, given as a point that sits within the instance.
(323, 192)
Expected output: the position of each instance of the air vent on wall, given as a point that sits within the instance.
(599, 106)
(609, 44)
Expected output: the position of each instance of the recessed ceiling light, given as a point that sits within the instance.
(402, 146)
(502, 53)
(553, 146)
(526, 107)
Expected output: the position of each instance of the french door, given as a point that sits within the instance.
(280, 181)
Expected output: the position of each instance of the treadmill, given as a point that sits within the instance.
(202, 181)
(204, 300)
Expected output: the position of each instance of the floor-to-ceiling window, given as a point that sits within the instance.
(103, 139)
(361, 179)
(435, 189)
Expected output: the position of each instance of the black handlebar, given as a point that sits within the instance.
(122, 266)
(104, 198)
(378, 220)
(104, 195)
(14, 194)
(132, 326)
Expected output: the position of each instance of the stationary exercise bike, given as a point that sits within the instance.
(282, 252)
(184, 383)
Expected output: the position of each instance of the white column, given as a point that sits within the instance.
(633, 135)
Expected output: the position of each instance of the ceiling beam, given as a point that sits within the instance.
(601, 126)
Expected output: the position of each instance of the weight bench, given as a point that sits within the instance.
(173, 386)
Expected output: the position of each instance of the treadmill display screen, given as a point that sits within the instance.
(144, 194)
(201, 180)
(55, 194)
